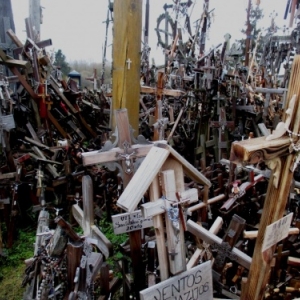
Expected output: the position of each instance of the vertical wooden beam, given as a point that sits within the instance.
(35, 17)
(261, 262)
(126, 58)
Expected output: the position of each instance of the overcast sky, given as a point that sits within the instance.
(76, 26)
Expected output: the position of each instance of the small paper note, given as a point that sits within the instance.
(7, 122)
(277, 231)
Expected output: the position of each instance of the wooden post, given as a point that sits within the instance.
(35, 16)
(126, 58)
(282, 162)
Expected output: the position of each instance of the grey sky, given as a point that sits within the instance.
(77, 27)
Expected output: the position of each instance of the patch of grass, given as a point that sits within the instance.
(10, 286)
(12, 266)
(116, 239)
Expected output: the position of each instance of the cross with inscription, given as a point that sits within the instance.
(279, 150)
(122, 157)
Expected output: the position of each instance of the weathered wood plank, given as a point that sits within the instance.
(145, 174)
(195, 283)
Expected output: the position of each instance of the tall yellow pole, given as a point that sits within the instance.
(127, 33)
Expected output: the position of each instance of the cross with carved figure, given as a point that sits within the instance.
(124, 157)
(280, 152)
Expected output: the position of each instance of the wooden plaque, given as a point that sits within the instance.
(130, 222)
(277, 231)
(195, 283)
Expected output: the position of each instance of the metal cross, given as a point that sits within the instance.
(224, 250)
(172, 253)
(127, 157)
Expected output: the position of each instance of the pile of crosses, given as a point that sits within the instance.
(181, 187)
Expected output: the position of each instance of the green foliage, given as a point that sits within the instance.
(21, 250)
(60, 61)
(12, 266)
(116, 239)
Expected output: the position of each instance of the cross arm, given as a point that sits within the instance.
(152, 90)
(259, 149)
(97, 157)
(241, 258)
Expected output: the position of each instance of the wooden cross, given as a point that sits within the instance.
(175, 224)
(94, 79)
(208, 75)
(242, 190)
(160, 125)
(231, 236)
(125, 153)
(223, 126)
(278, 151)
(268, 92)
(85, 218)
(199, 253)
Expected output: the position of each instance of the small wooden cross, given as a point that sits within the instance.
(222, 125)
(128, 62)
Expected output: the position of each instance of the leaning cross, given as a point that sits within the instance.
(278, 151)
(215, 241)
(85, 218)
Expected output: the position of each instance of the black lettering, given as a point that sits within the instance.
(183, 278)
(176, 288)
(190, 283)
(188, 295)
(205, 287)
(195, 293)
(198, 276)
(164, 293)
(200, 289)
(159, 295)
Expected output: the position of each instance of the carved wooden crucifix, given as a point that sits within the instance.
(125, 153)
(279, 151)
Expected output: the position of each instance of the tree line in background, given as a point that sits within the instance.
(86, 69)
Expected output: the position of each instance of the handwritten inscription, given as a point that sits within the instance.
(193, 284)
(277, 231)
(130, 221)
